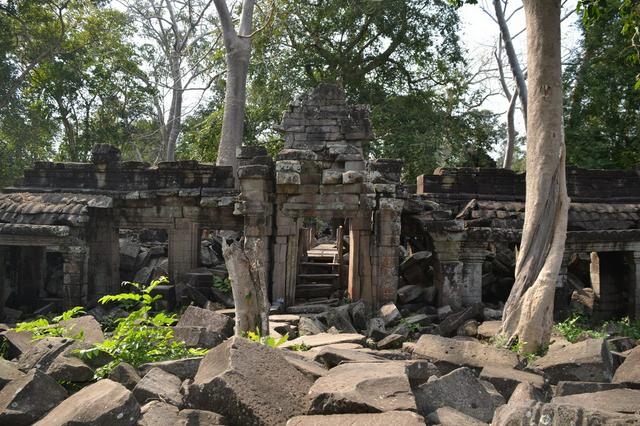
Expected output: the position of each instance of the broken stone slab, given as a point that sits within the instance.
(629, 372)
(449, 325)
(360, 314)
(460, 390)
(158, 413)
(125, 374)
(389, 313)
(571, 388)
(376, 329)
(449, 353)
(618, 400)
(507, 379)
(102, 403)
(197, 337)
(311, 369)
(536, 413)
(409, 293)
(586, 361)
(86, 326)
(526, 392)
(340, 319)
(447, 416)
(496, 397)
(17, 342)
(308, 326)
(362, 388)
(184, 368)
(331, 356)
(248, 383)
(213, 321)
(489, 329)
(324, 339)
(396, 418)
(469, 329)
(24, 400)
(55, 357)
(392, 341)
(157, 384)
(201, 417)
(290, 318)
(9, 371)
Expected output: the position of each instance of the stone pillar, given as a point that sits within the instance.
(449, 278)
(104, 261)
(359, 281)
(472, 257)
(562, 275)
(184, 246)
(32, 270)
(594, 273)
(388, 229)
(75, 268)
(634, 285)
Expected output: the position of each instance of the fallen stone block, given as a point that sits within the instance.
(447, 416)
(629, 372)
(572, 388)
(308, 326)
(158, 413)
(24, 400)
(331, 356)
(8, 372)
(409, 293)
(452, 353)
(537, 413)
(340, 319)
(157, 384)
(248, 383)
(311, 369)
(102, 403)
(85, 326)
(392, 341)
(449, 325)
(197, 337)
(489, 329)
(507, 379)
(362, 388)
(396, 418)
(618, 400)
(460, 390)
(126, 375)
(213, 321)
(389, 313)
(184, 368)
(526, 392)
(324, 339)
(586, 361)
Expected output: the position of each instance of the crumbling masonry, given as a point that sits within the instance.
(73, 211)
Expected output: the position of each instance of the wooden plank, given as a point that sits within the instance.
(353, 286)
(340, 246)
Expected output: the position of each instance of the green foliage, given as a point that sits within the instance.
(222, 284)
(575, 327)
(41, 327)
(140, 337)
(412, 327)
(624, 327)
(300, 347)
(270, 341)
(517, 346)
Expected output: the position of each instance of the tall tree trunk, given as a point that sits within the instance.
(514, 64)
(511, 132)
(528, 314)
(234, 102)
(175, 114)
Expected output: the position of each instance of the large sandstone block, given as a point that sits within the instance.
(447, 352)
(460, 390)
(529, 413)
(86, 326)
(248, 383)
(331, 357)
(396, 418)
(447, 416)
(158, 413)
(324, 339)
(24, 400)
(362, 388)
(101, 404)
(8, 372)
(158, 384)
(212, 321)
(618, 400)
(507, 379)
(586, 361)
(629, 372)
(185, 368)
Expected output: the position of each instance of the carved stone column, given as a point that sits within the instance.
(74, 287)
(449, 278)
(472, 256)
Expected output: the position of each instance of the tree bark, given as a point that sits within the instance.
(238, 47)
(528, 314)
(511, 132)
(514, 64)
(248, 283)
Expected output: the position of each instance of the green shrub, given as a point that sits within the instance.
(222, 284)
(577, 326)
(140, 338)
(41, 327)
(270, 341)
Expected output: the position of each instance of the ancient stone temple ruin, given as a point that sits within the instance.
(454, 235)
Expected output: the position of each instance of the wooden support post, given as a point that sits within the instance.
(340, 246)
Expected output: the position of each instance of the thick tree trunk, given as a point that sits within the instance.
(175, 114)
(234, 102)
(528, 314)
(249, 284)
(514, 64)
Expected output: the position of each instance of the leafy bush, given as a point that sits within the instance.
(270, 341)
(140, 338)
(41, 327)
(575, 327)
(222, 284)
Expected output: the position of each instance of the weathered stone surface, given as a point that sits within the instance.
(450, 324)
(158, 413)
(572, 388)
(409, 293)
(184, 368)
(55, 357)
(25, 399)
(201, 417)
(469, 329)
(619, 400)
(392, 341)
(308, 326)
(447, 416)
(526, 392)
(587, 361)
(340, 319)
(376, 329)
(536, 413)
(197, 337)
(8, 372)
(310, 369)
(362, 388)
(324, 339)
(629, 371)
(496, 397)
(443, 351)
(489, 329)
(396, 418)
(158, 384)
(17, 342)
(419, 371)
(360, 314)
(126, 375)
(331, 356)
(248, 383)
(86, 326)
(459, 389)
(389, 313)
(213, 321)
(101, 404)
(506, 379)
